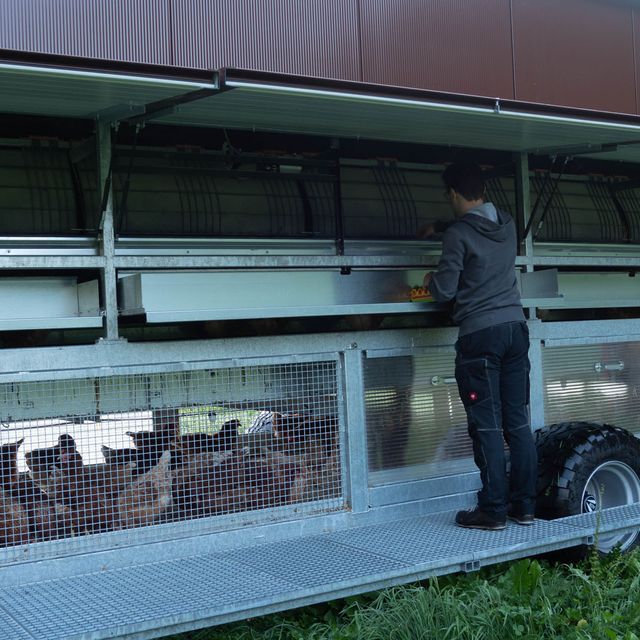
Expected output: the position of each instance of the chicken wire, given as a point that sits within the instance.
(95, 455)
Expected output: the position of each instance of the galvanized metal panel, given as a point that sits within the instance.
(575, 53)
(48, 302)
(81, 428)
(128, 30)
(211, 588)
(224, 294)
(308, 37)
(416, 424)
(595, 383)
(70, 93)
(331, 112)
(450, 45)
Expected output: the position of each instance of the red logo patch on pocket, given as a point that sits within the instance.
(473, 396)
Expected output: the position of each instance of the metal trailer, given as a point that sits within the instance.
(220, 265)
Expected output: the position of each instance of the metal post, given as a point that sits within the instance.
(356, 484)
(537, 384)
(523, 213)
(108, 279)
(523, 200)
(337, 202)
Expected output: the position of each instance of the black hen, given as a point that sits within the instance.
(150, 445)
(224, 440)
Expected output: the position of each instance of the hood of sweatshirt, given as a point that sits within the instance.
(488, 221)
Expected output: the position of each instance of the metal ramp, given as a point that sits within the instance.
(173, 595)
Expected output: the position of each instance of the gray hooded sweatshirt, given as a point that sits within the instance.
(477, 270)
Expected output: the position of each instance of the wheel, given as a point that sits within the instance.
(584, 467)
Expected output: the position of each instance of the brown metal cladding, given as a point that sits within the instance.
(636, 55)
(461, 46)
(130, 30)
(575, 53)
(307, 37)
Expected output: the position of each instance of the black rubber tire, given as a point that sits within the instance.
(568, 454)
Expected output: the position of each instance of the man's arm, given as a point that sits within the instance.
(433, 230)
(443, 284)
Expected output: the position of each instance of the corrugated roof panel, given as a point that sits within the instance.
(448, 45)
(131, 30)
(313, 38)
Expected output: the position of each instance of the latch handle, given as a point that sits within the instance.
(608, 366)
(438, 380)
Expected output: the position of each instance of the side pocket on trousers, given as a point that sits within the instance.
(473, 381)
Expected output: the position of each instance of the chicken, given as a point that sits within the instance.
(148, 497)
(47, 519)
(119, 456)
(195, 482)
(167, 421)
(88, 492)
(150, 445)
(224, 440)
(63, 455)
(309, 447)
(14, 520)
(316, 438)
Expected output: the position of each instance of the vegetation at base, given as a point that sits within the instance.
(598, 599)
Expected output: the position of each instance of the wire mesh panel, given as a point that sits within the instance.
(88, 456)
(595, 383)
(416, 424)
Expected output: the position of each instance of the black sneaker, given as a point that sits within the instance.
(477, 519)
(521, 518)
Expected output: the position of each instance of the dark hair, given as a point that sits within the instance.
(466, 179)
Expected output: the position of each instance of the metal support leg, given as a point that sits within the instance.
(108, 279)
(356, 485)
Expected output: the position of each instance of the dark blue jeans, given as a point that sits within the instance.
(492, 371)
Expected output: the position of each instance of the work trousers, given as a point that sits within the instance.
(492, 371)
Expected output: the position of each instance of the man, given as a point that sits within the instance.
(477, 272)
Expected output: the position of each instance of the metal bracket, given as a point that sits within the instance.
(471, 565)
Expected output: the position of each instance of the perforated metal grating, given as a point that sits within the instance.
(209, 587)
(87, 456)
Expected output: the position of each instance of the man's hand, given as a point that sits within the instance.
(426, 281)
(426, 231)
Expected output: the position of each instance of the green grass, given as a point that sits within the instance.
(598, 599)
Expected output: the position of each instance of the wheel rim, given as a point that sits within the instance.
(612, 484)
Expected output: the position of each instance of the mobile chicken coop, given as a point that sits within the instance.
(217, 399)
